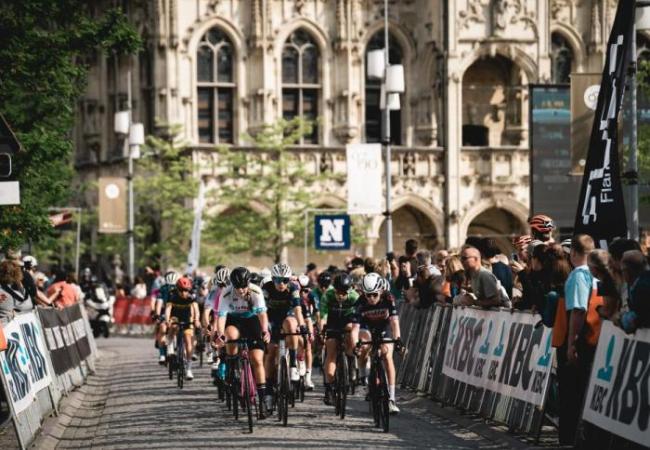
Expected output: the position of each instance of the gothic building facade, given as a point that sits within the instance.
(221, 68)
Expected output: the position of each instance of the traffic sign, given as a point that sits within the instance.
(332, 232)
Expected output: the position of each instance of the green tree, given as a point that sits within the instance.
(43, 50)
(272, 177)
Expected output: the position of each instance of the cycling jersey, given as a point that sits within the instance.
(280, 304)
(181, 308)
(231, 304)
(316, 296)
(166, 292)
(212, 300)
(339, 314)
(378, 316)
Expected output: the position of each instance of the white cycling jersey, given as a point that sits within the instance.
(249, 306)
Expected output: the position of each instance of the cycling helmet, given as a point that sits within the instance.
(171, 278)
(184, 284)
(29, 262)
(222, 276)
(342, 282)
(566, 246)
(372, 283)
(541, 224)
(325, 279)
(240, 277)
(303, 280)
(281, 270)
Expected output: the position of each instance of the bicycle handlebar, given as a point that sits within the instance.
(299, 333)
(381, 341)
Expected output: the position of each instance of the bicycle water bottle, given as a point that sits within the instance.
(222, 370)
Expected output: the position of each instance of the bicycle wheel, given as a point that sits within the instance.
(180, 369)
(373, 397)
(352, 375)
(343, 383)
(283, 397)
(236, 389)
(301, 389)
(171, 367)
(383, 397)
(249, 393)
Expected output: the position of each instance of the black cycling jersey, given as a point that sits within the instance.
(181, 307)
(378, 316)
(280, 304)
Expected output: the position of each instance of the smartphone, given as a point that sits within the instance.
(514, 257)
(390, 256)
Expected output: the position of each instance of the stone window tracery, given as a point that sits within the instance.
(301, 81)
(373, 119)
(215, 88)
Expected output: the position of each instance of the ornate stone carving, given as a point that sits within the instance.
(504, 13)
(257, 28)
(473, 14)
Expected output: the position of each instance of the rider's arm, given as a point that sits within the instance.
(220, 325)
(168, 310)
(196, 314)
(205, 320)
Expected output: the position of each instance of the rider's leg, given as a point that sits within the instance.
(232, 334)
(364, 335)
(290, 325)
(270, 361)
(352, 338)
(330, 362)
(389, 364)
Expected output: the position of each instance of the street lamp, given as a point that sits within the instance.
(133, 138)
(392, 79)
(642, 22)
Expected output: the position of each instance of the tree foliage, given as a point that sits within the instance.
(43, 48)
(266, 191)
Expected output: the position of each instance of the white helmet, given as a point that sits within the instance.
(385, 284)
(171, 278)
(304, 281)
(30, 262)
(372, 283)
(222, 276)
(281, 271)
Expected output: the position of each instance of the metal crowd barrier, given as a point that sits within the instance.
(32, 387)
(425, 333)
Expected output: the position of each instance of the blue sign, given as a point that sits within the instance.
(332, 232)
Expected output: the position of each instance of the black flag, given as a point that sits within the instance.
(601, 211)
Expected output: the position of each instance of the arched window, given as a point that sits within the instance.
(561, 59)
(373, 92)
(216, 88)
(301, 83)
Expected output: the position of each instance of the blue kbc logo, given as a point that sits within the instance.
(332, 232)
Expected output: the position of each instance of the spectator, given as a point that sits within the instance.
(404, 277)
(427, 287)
(440, 258)
(455, 276)
(599, 265)
(423, 257)
(499, 269)
(574, 357)
(551, 277)
(637, 276)
(71, 278)
(139, 290)
(12, 287)
(62, 293)
(486, 291)
(41, 282)
(521, 244)
(22, 292)
(616, 250)
(410, 249)
(34, 287)
(312, 272)
(9, 275)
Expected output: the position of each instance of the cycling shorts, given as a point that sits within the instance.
(338, 325)
(249, 328)
(385, 332)
(189, 331)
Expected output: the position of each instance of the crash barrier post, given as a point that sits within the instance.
(49, 352)
(617, 400)
(132, 315)
(495, 363)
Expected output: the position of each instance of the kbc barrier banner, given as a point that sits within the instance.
(66, 337)
(500, 351)
(618, 397)
(24, 363)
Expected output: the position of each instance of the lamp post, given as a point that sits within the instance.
(133, 138)
(642, 22)
(392, 78)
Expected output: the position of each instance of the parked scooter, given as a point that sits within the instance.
(99, 306)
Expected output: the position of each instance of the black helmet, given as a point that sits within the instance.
(240, 277)
(324, 279)
(342, 282)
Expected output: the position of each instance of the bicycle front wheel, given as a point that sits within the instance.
(343, 385)
(283, 397)
(249, 393)
(181, 365)
(384, 412)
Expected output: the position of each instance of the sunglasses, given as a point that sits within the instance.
(183, 290)
(373, 295)
(279, 280)
(305, 290)
(341, 293)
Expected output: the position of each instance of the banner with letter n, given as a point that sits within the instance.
(500, 351)
(332, 232)
(601, 210)
(364, 181)
(24, 363)
(618, 393)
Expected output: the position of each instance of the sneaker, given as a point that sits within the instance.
(162, 359)
(189, 375)
(309, 385)
(294, 374)
(208, 359)
(392, 407)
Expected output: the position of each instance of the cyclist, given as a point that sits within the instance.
(377, 314)
(182, 308)
(164, 294)
(338, 312)
(242, 313)
(285, 315)
(220, 280)
(317, 293)
(309, 310)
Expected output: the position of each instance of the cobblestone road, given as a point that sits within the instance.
(130, 403)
